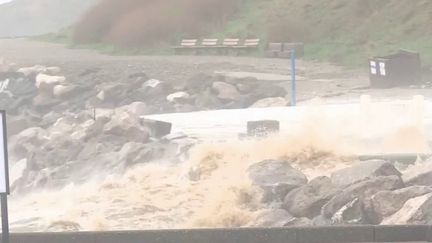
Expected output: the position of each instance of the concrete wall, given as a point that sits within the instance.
(257, 235)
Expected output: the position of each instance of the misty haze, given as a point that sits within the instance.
(196, 121)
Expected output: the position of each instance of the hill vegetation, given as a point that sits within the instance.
(334, 30)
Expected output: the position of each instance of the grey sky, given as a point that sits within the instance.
(4, 1)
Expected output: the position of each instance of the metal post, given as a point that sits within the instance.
(5, 218)
(293, 79)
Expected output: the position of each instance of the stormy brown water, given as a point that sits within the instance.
(318, 139)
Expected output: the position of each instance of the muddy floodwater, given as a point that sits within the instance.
(160, 195)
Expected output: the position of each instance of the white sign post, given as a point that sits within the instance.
(4, 177)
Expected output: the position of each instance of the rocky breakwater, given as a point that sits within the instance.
(369, 192)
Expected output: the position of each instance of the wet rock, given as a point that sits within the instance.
(65, 91)
(27, 141)
(386, 203)
(350, 213)
(197, 83)
(44, 103)
(353, 195)
(135, 153)
(178, 97)
(127, 126)
(135, 109)
(320, 220)
(225, 91)
(270, 102)
(207, 99)
(151, 83)
(17, 124)
(45, 83)
(307, 201)
(18, 84)
(37, 69)
(414, 211)
(362, 171)
(276, 177)
(112, 93)
(266, 90)
(420, 175)
(273, 218)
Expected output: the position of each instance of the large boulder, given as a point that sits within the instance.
(420, 175)
(178, 97)
(279, 218)
(276, 177)
(135, 109)
(27, 141)
(307, 200)
(136, 153)
(46, 83)
(17, 124)
(344, 206)
(270, 102)
(128, 126)
(266, 90)
(386, 203)
(362, 171)
(207, 99)
(273, 218)
(415, 211)
(197, 83)
(226, 91)
(66, 91)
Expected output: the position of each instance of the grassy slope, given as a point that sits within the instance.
(341, 31)
(344, 31)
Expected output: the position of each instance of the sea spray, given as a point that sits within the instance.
(212, 188)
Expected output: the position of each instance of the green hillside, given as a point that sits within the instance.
(344, 31)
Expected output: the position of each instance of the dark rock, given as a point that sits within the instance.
(354, 195)
(17, 124)
(44, 103)
(419, 176)
(414, 211)
(267, 90)
(66, 92)
(385, 203)
(207, 99)
(225, 91)
(127, 126)
(135, 153)
(307, 201)
(276, 177)
(273, 218)
(321, 221)
(198, 83)
(362, 171)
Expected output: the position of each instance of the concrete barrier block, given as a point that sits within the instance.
(158, 129)
(401, 233)
(335, 234)
(262, 128)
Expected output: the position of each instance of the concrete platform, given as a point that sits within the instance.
(341, 234)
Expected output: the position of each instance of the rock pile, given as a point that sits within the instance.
(369, 192)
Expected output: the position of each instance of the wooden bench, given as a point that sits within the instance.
(187, 44)
(228, 45)
(209, 45)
